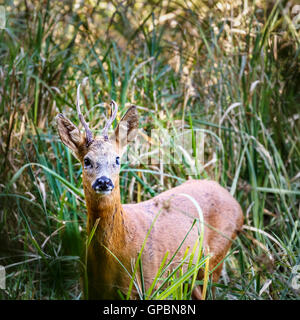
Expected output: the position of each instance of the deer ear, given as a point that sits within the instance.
(127, 128)
(69, 134)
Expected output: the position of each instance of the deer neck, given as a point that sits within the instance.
(109, 211)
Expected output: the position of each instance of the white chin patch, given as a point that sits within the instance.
(104, 193)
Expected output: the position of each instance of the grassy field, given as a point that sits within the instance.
(228, 68)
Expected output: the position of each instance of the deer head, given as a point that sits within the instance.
(100, 156)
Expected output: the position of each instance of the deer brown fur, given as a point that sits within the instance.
(123, 228)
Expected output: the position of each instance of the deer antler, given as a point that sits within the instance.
(88, 132)
(114, 108)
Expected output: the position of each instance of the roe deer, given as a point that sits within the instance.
(123, 228)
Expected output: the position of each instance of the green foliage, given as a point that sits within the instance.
(227, 68)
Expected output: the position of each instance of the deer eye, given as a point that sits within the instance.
(87, 163)
(118, 160)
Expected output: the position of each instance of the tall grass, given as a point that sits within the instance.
(228, 69)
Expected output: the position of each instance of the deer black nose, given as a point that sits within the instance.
(103, 184)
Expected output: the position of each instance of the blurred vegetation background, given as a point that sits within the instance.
(229, 68)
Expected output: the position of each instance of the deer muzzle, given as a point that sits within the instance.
(103, 185)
